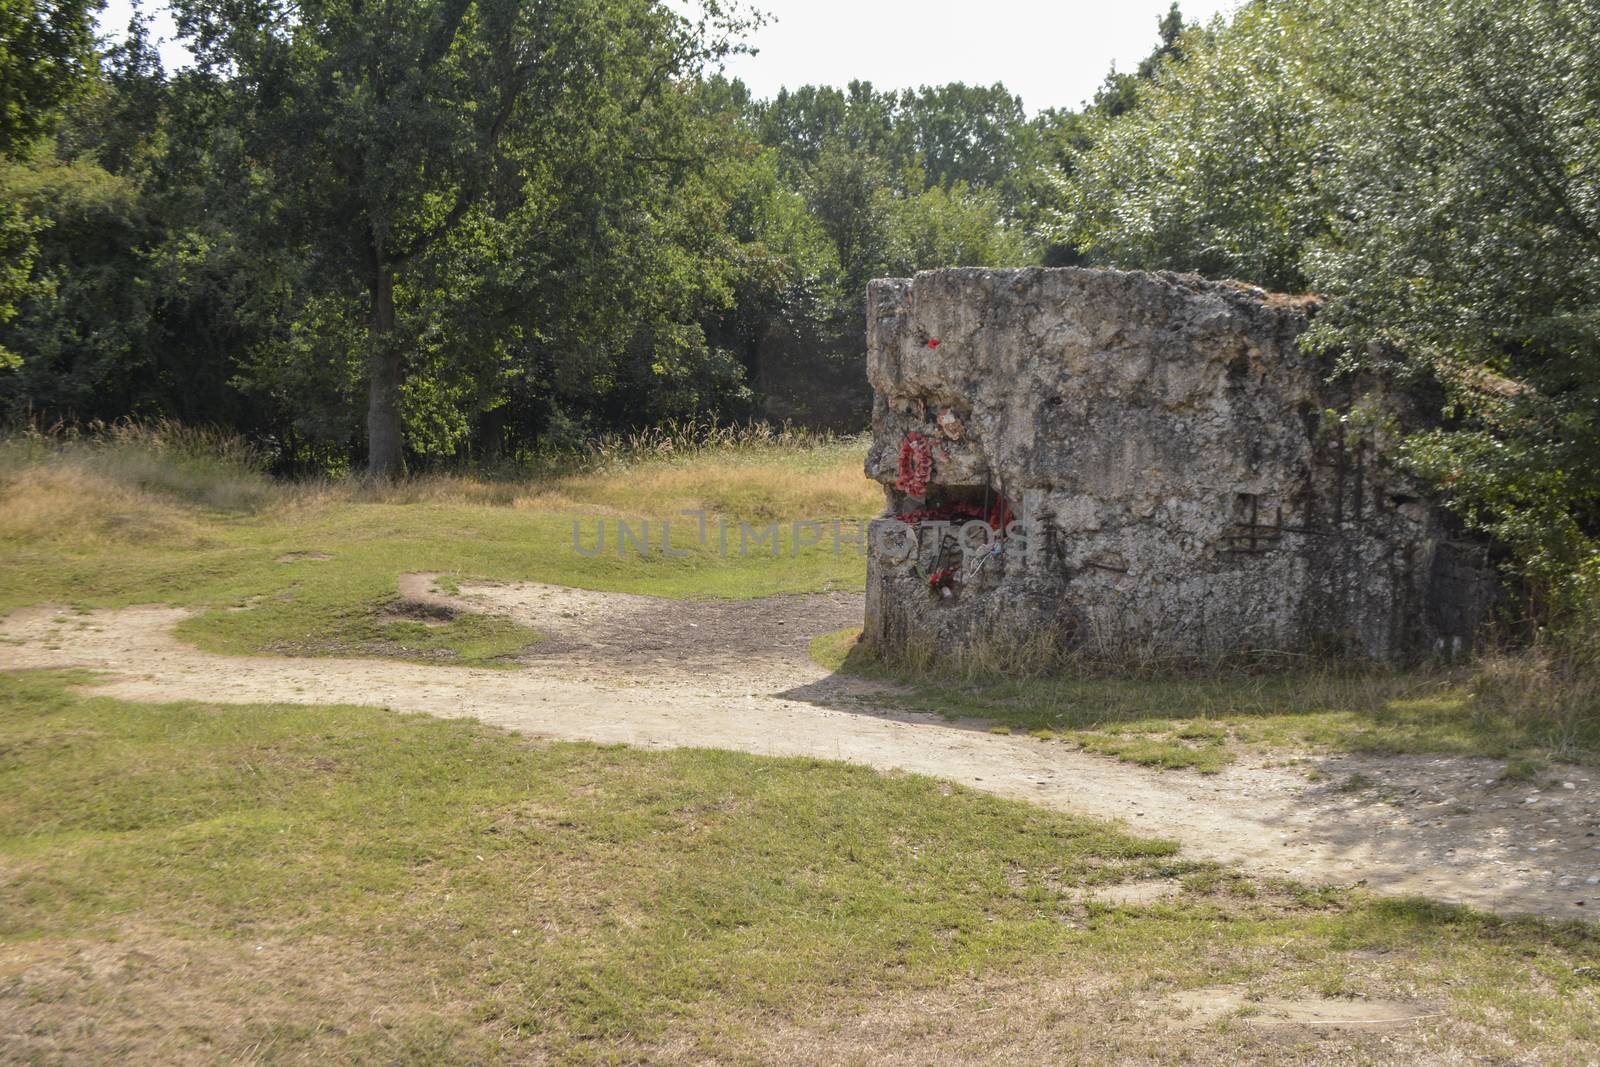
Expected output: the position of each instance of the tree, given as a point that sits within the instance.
(1119, 93)
(374, 134)
(46, 55)
(848, 194)
(955, 227)
(1466, 248)
(964, 133)
(1220, 168)
(800, 123)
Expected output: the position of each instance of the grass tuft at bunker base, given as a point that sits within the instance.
(1206, 720)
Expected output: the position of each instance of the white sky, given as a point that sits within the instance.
(1053, 53)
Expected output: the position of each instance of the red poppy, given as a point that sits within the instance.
(916, 464)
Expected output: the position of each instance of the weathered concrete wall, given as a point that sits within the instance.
(1186, 479)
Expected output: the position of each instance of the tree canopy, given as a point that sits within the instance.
(460, 230)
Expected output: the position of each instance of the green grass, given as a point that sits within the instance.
(312, 569)
(294, 883)
(1206, 721)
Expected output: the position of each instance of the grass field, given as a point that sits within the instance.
(158, 518)
(285, 884)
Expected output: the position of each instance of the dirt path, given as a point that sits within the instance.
(656, 673)
(731, 647)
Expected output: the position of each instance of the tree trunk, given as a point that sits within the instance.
(385, 438)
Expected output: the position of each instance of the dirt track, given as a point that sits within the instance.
(657, 673)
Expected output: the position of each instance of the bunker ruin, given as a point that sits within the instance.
(1143, 463)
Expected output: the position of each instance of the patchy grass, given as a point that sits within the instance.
(839, 650)
(1356, 783)
(1200, 746)
(311, 568)
(1205, 721)
(188, 882)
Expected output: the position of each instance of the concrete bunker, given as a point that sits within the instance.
(1143, 463)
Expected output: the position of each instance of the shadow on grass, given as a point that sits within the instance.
(1202, 720)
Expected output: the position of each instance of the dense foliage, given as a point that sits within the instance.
(46, 52)
(463, 230)
(468, 230)
(1433, 168)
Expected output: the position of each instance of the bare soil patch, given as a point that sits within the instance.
(1080, 1018)
(1136, 893)
(1200, 1008)
(145, 997)
(738, 646)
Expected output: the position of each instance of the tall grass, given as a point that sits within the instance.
(1553, 686)
(675, 441)
(198, 465)
(125, 483)
(106, 467)
(753, 471)
(687, 439)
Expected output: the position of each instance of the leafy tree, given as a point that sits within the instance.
(954, 227)
(83, 318)
(800, 123)
(445, 231)
(46, 55)
(374, 136)
(965, 133)
(1466, 246)
(1219, 168)
(1119, 93)
(785, 269)
(141, 303)
(848, 193)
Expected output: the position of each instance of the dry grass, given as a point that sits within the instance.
(208, 468)
(150, 998)
(161, 514)
(124, 481)
(69, 503)
(1558, 690)
(125, 484)
(834, 488)
(59, 479)
(990, 654)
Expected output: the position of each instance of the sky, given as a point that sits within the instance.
(1052, 53)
